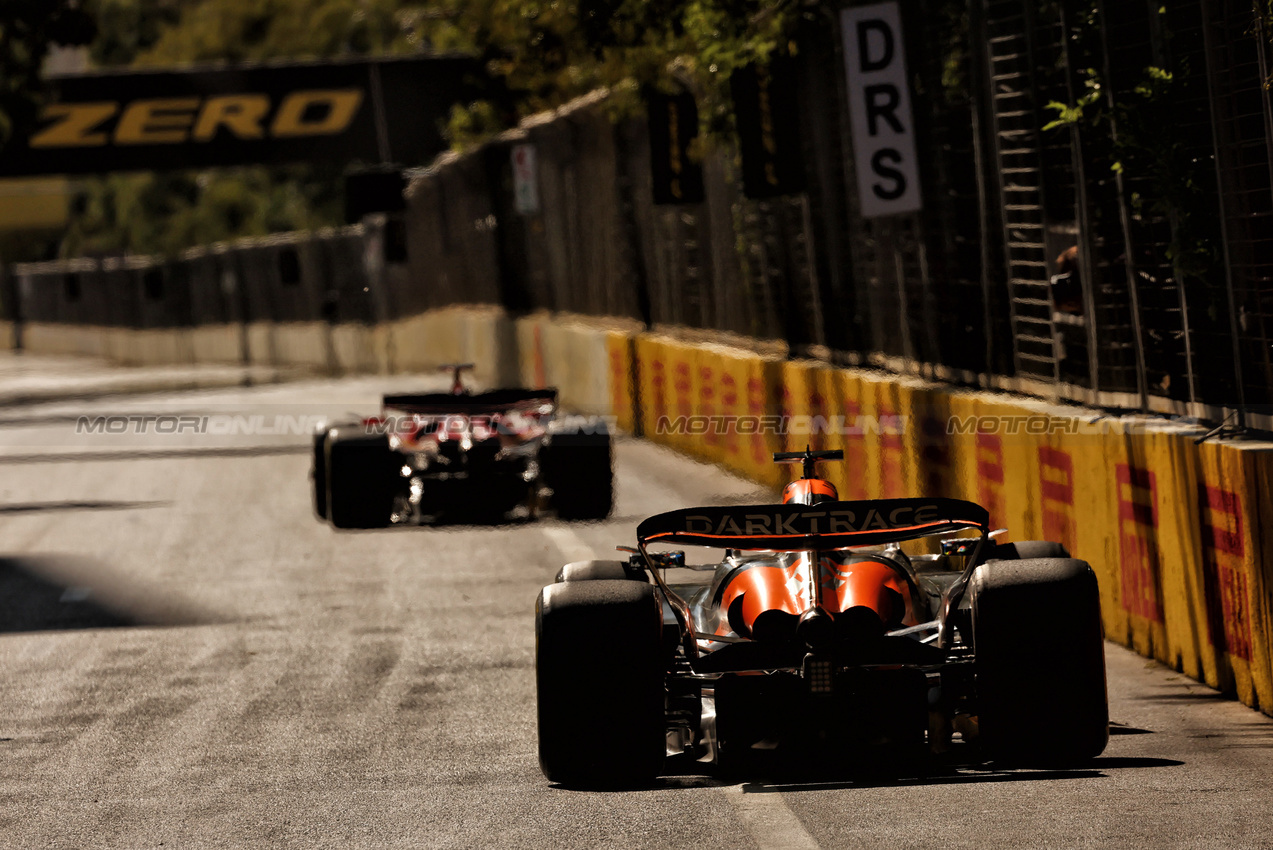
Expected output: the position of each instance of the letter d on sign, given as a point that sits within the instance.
(880, 110)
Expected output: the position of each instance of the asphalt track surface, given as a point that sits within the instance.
(188, 658)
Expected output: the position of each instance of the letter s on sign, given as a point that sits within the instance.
(888, 173)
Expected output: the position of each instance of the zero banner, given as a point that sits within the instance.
(880, 110)
(382, 111)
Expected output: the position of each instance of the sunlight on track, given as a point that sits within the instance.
(771, 822)
(571, 545)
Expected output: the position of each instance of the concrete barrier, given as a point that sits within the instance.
(1232, 619)
(81, 340)
(354, 349)
(222, 343)
(484, 336)
(711, 401)
(307, 345)
(590, 362)
(622, 361)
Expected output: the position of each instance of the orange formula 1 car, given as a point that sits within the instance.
(817, 639)
(461, 454)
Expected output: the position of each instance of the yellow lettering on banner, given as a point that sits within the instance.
(73, 125)
(241, 114)
(341, 107)
(161, 121)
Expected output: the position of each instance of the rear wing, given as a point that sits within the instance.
(827, 525)
(471, 404)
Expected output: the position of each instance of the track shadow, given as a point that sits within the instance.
(955, 775)
(1125, 762)
(1121, 729)
(54, 593)
(158, 454)
(43, 507)
(684, 773)
(1197, 696)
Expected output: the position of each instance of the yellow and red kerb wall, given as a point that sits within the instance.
(1175, 529)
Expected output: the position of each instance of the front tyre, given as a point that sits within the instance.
(1039, 662)
(599, 670)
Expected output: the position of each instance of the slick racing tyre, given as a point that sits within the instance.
(318, 473)
(361, 474)
(1030, 549)
(1039, 662)
(578, 466)
(599, 673)
(599, 571)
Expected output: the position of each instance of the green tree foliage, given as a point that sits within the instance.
(165, 213)
(548, 52)
(28, 28)
(215, 31)
(128, 28)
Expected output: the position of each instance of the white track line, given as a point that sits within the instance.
(769, 819)
(571, 545)
(765, 814)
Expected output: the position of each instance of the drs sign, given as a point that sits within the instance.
(880, 110)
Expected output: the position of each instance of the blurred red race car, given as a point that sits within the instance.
(461, 454)
(816, 639)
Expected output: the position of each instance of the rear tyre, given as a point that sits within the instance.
(599, 571)
(599, 671)
(1029, 550)
(1040, 662)
(579, 468)
(318, 474)
(361, 474)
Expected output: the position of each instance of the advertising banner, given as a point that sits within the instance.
(382, 111)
